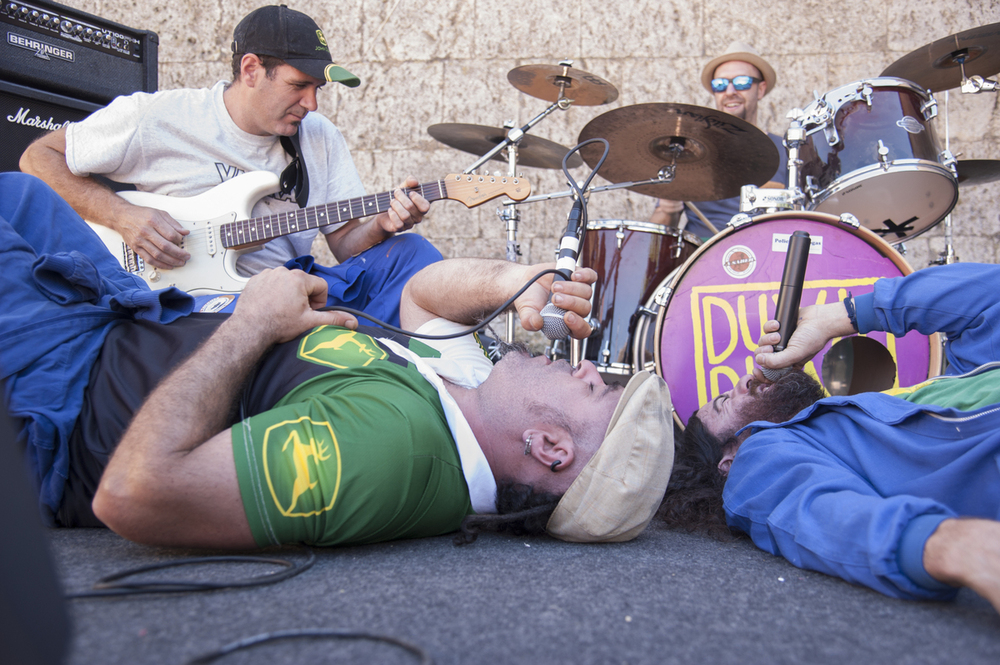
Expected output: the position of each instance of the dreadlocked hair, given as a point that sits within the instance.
(693, 500)
(520, 511)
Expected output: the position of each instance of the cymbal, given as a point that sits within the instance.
(542, 81)
(480, 139)
(720, 152)
(936, 65)
(978, 171)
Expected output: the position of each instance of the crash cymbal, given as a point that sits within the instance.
(480, 139)
(544, 82)
(936, 66)
(978, 171)
(719, 152)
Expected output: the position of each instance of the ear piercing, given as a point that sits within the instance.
(527, 446)
(554, 465)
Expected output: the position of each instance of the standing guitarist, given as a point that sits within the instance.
(185, 142)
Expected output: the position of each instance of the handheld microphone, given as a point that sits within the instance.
(789, 294)
(553, 324)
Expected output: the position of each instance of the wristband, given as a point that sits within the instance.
(851, 312)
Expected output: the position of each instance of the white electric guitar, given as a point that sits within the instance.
(221, 228)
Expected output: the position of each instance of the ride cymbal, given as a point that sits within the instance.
(548, 81)
(480, 139)
(936, 65)
(716, 153)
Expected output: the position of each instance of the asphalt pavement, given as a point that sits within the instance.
(666, 597)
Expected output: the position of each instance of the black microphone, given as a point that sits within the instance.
(789, 295)
(553, 324)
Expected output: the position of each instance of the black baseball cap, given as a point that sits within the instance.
(284, 33)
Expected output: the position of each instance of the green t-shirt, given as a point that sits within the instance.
(359, 454)
(965, 393)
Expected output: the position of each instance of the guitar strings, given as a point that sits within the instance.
(258, 229)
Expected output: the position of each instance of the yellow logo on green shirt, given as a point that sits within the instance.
(340, 348)
(293, 454)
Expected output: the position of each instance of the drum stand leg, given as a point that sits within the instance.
(511, 217)
(948, 256)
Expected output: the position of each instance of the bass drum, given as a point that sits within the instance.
(702, 324)
(878, 158)
(631, 259)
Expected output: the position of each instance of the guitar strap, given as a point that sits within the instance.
(295, 178)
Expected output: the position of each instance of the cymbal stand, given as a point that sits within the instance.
(947, 256)
(665, 179)
(510, 214)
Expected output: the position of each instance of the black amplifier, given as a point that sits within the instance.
(27, 113)
(63, 50)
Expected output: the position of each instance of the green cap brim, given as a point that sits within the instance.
(337, 74)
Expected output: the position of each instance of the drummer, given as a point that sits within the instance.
(737, 79)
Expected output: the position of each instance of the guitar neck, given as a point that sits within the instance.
(261, 229)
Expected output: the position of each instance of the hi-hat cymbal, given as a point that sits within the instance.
(978, 171)
(480, 139)
(936, 65)
(547, 81)
(719, 153)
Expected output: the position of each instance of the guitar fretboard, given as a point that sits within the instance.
(262, 229)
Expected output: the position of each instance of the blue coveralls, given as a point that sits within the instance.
(854, 486)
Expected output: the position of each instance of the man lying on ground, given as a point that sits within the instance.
(280, 423)
(899, 491)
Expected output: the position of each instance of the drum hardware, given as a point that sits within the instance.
(740, 219)
(757, 199)
(883, 153)
(811, 186)
(847, 219)
(960, 60)
(977, 84)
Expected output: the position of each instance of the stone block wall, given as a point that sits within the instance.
(446, 61)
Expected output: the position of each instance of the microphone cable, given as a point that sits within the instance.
(388, 326)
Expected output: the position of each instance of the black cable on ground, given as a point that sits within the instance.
(111, 586)
(264, 638)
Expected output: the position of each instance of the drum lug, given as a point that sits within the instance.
(832, 137)
(661, 298)
(620, 234)
(740, 219)
(866, 92)
(947, 160)
(606, 353)
(883, 154)
(811, 186)
(929, 108)
(847, 219)
(648, 311)
(900, 247)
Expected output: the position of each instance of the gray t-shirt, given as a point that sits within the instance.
(184, 143)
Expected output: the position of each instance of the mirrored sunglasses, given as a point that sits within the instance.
(741, 82)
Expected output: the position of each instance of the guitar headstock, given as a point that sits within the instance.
(473, 190)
